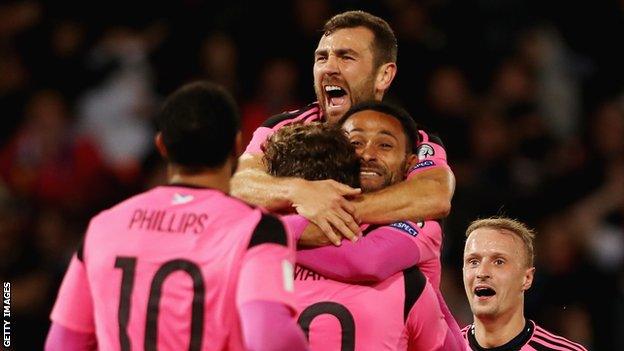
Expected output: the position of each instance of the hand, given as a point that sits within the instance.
(323, 203)
(313, 236)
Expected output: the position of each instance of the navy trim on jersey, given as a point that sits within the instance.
(370, 228)
(514, 344)
(277, 119)
(269, 231)
(80, 250)
(414, 285)
(186, 185)
(435, 138)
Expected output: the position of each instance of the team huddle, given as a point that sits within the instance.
(323, 235)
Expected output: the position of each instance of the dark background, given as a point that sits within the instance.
(528, 97)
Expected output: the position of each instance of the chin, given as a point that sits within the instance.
(367, 187)
(485, 312)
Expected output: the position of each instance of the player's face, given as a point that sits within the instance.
(343, 71)
(381, 144)
(495, 273)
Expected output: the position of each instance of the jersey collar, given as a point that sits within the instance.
(513, 345)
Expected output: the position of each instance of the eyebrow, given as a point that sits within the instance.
(339, 52)
(383, 131)
(493, 254)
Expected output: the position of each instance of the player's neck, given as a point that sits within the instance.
(497, 331)
(214, 178)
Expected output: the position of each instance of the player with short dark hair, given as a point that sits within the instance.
(379, 255)
(183, 266)
(355, 61)
(498, 269)
(196, 118)
(410, 127)
(384, 44)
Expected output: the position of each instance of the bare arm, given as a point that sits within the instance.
(322, 202)
(253, 184)
(425, 195)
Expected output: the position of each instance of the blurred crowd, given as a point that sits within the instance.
(527, 96)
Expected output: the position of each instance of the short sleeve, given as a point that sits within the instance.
(73, 308)
(257, 140)
(431, 154)
(267, 272)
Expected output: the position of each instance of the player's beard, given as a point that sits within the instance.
(357, 94)
(389, 177)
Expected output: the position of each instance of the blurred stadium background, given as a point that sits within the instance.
(528, 97)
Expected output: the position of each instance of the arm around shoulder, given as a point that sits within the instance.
(424, 195)
(252, 183)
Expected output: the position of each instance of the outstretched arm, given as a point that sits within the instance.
(373, 258)
(322, 202)
(424, 195)
(376, 256)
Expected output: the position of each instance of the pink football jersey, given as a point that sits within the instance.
(166, 270)
(400, 313)
(531, 338)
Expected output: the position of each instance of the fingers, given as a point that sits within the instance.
(350, 209)
(329, 232)
(345, 190)
(346, 224)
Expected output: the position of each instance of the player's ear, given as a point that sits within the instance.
(411, 161)
(160, 145)
(238, 144)
(237, 150)
(528, 278)
(385, 76)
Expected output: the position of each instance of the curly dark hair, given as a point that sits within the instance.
(314, 151)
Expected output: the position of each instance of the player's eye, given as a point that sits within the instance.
(386, 146)
(472, 262)
(356, 143)
(499, 261)
(320, 58)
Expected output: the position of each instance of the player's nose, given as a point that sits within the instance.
(331, 65)
(483, 272)
(368, 153)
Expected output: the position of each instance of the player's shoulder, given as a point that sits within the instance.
(550, 341)
(416, 228)
(269, 230)
(120, 206)
(429, 136)
(310, 111)
(172, 195)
